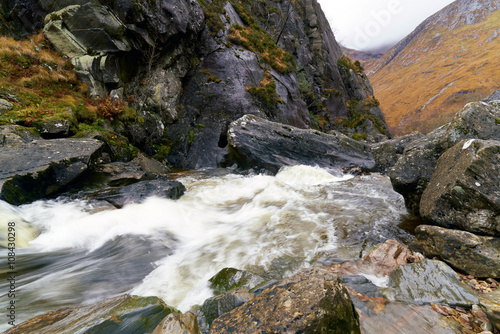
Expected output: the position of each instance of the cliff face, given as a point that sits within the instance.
(193, 67)
(451, 59)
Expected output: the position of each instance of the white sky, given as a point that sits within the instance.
(369, 24)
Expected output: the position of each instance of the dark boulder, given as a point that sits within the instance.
(55, 128)
(231, 278)
(470, 253)
(42, 168)
(429, 281)
(388, 152)
(312, 301)
(412, 172)
(464, 191)
(123, 314)
(255, 142)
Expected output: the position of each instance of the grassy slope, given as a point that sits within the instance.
(429, 81)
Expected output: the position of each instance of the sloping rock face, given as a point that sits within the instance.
(414, 169)
(124, 314)
(255, 142)
(464, 190)
(470, 253)
(38, 169)
(189, 64)
(312, 301)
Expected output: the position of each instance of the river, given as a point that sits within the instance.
(271, 225)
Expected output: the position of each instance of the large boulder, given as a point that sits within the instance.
(231, 278)
(412, 172)
(312, 301)
(123, 314)
(177, 323)
(255, 142)
(429, 281)
(41, 168)
(464, 191)
(386, 153)
(470, 253)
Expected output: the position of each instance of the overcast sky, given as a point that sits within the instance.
(369, 24)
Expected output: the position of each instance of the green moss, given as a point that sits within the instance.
(347, 64)
(266, 92)
(497, 120)
(359, 136)
(359, 112)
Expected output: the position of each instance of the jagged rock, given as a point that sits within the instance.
(150, 165)
(176, 323)
(388, 152)
(490, 304)
(138, 192)
(429, 281)
(313, 300)
(230, 279)
(5, 105)
(493, 97)
(121, 173)
(412, 172)
(123, 314)
(257, 142)
(13, 135)
(464, 190)
(470, 253)
(147, 133)
(216, 306)
(41, 168)
(55, 128)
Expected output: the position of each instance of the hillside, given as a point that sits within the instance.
(366, 58)
(450, 59)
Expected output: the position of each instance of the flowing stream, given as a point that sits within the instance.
(270, 225)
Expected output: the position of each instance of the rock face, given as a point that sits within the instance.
(414, 169)
(42, 168)
(464, 191)
(254, 141)
(124, 314)
(312, 301)
(387, 153)
(429, 281)
(470, 253)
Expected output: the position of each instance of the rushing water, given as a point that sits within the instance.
(271, 225)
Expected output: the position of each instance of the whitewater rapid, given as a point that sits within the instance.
(271, 225)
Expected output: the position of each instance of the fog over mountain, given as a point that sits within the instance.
(371, 25)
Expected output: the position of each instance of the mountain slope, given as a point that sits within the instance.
(450, 59)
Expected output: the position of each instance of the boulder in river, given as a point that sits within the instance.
(470, 253)
(256, 142)
(429, 281)
(121, 315)
(464, 191)
(312, 301)
(414, 169)
(231, 278)
(178, 323)
(42, 168)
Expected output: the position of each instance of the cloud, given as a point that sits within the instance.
(369, 24)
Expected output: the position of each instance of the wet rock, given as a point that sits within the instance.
(177, 323)
(42, 168)
(150, 165)
(490, 304)
(414, 169)
(429, 281)
(138, 192)
(216, 306)
(313, 300)
(463, 192)
(257, 142)
(230, 279)
(470, 253)
(123, 314)
(5, 105)
(388, 152)
(120, 173)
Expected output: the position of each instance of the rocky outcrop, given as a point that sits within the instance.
(124, 314)
(313, 300)
(255, 142)
(470, 253)
(42, 168)
(387, 153)
(414, 169)
(429, 281)
(177, 323)
(463, 192)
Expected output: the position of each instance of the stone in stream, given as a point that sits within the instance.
(41, 168)
(470, 253)
(256, 142)
(464, 191)
(312, 301)
(178, 323)
(429, 281)
(231, 278)
(414, 169)
(121, 315)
